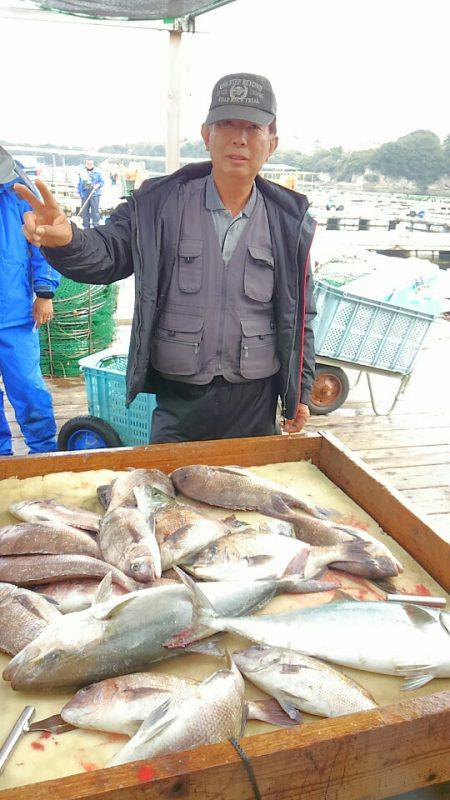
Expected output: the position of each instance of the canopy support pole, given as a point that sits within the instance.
(183, 24)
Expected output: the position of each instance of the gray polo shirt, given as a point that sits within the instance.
(228, 229)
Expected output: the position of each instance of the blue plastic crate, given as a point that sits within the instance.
(104, 374)
(367, 332)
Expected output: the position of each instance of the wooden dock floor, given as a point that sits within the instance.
(410, 447)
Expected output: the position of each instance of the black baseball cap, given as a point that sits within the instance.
(243, 96)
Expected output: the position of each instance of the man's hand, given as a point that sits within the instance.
(42, 311)
(47, 224)
(295, 425)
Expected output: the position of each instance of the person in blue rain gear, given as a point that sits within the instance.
(27, 286)
(89, 188)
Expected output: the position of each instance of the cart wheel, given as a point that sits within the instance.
(87, 433)
(330, 389)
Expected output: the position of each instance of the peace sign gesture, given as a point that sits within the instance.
(47, 224)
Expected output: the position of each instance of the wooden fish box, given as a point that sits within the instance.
(370, 755)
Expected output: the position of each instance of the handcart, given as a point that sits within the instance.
(352, 332)
(370, 336)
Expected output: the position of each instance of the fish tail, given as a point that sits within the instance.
(204, 613)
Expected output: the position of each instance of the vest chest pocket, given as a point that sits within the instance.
(190, 265)
(176, 344)
(259, 273)
(259, 357)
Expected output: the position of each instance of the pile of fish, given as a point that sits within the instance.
(102, 608)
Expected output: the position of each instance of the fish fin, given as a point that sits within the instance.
(386, 585)
(288, 707)
(106, 613)
(159, 719)
(279, 506)
(297, 564)
(296, 584)
(291, 669)
(199, 600)
(444, 619)
(233, 522)
(344, 597)
(208, 647)
(104, 495)
(270, 711)
(104, 590)
(258, 560)
(156, 722)
(356, 550)
(203, 618)
(415, 677)
(143, 495)
(418, 615)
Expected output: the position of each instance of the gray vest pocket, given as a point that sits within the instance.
(190, 265)
(259, 273)
(176, 344)
(258, 348)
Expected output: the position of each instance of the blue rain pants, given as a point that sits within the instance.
(91, 212)
(26, 390)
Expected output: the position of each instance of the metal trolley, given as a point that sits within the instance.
(370, 336)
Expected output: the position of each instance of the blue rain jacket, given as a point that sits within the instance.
(23, 268)
(87, 180)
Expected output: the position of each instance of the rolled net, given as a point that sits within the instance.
(83, 323)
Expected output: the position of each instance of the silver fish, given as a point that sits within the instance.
(390, 638)
(120, 705)
(128, 633)
(302, 683)
(74, 595)
(23, 615)
(55, 513)
(122, 488)
(233, 487)
(215, 712)
(35, 569)
(43, 537)
(127, 540)
(253, 556)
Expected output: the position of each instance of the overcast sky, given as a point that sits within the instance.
(349, 72)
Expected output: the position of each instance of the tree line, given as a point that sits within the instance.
(419, 157)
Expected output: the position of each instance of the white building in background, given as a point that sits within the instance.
(288, 176)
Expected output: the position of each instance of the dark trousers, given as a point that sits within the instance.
(186, 412)
(91, 211)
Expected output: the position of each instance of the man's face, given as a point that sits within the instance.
(238, 148)
(89, 164)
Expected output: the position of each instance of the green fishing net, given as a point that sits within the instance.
(83, 323)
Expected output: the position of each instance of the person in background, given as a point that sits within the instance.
(89, 188)
(224, 300)
(27, 286)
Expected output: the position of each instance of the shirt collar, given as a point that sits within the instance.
(214, 203)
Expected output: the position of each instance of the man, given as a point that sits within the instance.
(89, 188)
(23, 271)
(223, 303)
